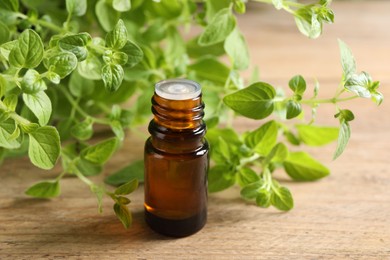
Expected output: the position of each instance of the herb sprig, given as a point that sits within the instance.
(62, 74)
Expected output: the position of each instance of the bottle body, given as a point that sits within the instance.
(176, 164)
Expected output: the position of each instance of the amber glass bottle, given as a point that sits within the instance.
(176, 160)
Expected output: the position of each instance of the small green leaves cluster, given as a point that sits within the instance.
(65, 76)
(251, 158)
(309, 18)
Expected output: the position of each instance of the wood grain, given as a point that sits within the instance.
(345, 216)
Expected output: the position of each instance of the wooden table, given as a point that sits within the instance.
(346, 215)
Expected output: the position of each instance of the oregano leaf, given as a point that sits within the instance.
(100, 152)
(39, 103)
(255, 101)
(123, 214)
(219, 28)
(45, 189)
(28, 52)
(44, 148)
(343, 138)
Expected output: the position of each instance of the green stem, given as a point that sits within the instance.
(327, 100)
(80, 110)
(43, 23)
(66, 25)
(247, 160)
(83, 178)
(49, 25)
(59, 177)
(20, 120)
(286, 5)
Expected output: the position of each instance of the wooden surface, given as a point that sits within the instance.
(345, 216)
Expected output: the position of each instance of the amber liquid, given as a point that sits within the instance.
(176, 164)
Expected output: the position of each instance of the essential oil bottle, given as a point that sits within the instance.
(176, 160)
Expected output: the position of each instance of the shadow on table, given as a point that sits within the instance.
(56, 229)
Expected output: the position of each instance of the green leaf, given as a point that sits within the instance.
(210, 69)
(263, 198)
(222, 149)
(219, 28)
(117, 128)
(61, 63)
(293, 108)
(297, 84)
(28, 52)
(220, 177)
(343, 138)
(239, 6)
(117, 38)
(246, 176)
(90, 68)
(119, 58)
(237, 49)
(4, 115)
(32, 82)
(347, 60)
(112, 76)
(124, 215)
(123, 200)
(278, 154)
(11, 5)
(99, 192)
(87, 168)
(29, 128)
(83, 130)
(345, 115)
(314, 135)
(4, 33)
(11, 101)
(44, 148)
(40, 104)
(3, 86)
(250, 191)
(133, 171)
(301, 166)
(76, 44)
(53, 77)
(213, 7)
(127, 188)
(281, 199)
(106, 15)
(194, 50)
(76, 7)
(308, 22)
(100, 152)
(134, 53)
(80, 86)
(263, 139)
(255, 101)
(7, 47)
(212, 122)
(278, 4)
(121, 5)
(44, 190)
(359, 84)
(7, 128)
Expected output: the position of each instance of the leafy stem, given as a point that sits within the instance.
(327, 100)
(76, 106)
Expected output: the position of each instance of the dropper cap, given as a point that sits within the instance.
(177, 89)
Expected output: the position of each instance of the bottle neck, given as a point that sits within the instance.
(178, 125)
(178, 114)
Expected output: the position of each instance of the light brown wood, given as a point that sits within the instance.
(344, 216)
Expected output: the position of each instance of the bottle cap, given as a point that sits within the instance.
(177, 89)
